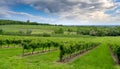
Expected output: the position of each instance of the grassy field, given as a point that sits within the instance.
(98, 58)
(36, 29)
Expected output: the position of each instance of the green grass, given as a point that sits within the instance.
(98, 58)
(37, 29)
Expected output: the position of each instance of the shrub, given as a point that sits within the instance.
(59, 31)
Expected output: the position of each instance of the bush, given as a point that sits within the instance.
(21, 32)
(46, 35)
(59, 31)
(1, 31)
(29, 32)
(93, 33)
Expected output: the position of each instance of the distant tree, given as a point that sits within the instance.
(83, 31)
(113, 32)
(93, 33)
(28, 21)
(70, 30)
(78, 31)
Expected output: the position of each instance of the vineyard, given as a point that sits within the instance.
(33, 52)
(41, 46)
(60, 51)
(115, 48)
(59, 34)
(34, 46)
(71, 49)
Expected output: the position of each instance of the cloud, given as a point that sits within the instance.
(89, 10)
(79, 11)
(23, 16)
(55, 6)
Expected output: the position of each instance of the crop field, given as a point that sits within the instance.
(59, 34)
(98, 58)
(59, 47)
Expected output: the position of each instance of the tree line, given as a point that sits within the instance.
(60, 29)
(100, 31)
(13, 22)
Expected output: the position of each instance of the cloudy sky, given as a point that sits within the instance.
(66, 12)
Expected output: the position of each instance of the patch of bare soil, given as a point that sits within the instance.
(38, 52)
(8, 47)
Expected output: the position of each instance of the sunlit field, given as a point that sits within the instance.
(97, 58)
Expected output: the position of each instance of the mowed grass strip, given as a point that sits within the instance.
(99, 58)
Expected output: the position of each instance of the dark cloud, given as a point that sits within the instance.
(55, 6)
(52, 5)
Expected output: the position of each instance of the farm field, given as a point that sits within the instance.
(74, 48)
(59, 34)
(37, 29)
(98, 58)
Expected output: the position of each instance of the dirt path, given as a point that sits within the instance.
(37, 52)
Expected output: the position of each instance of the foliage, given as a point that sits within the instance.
(70, 48)
(59, 31)
(1, 31)
(28, 32)
(12, 22)
(116, 49)
(46, 35)
(99, 31)
(21, 32)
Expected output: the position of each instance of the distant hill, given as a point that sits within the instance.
(13, 22)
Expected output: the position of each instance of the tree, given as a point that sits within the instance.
(28, 21)
(93, 33)
(70, 30)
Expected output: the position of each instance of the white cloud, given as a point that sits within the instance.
(79, 11)
(8, 14)
(84, 10)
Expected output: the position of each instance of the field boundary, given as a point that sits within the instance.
(114, 56)
(38, 52)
